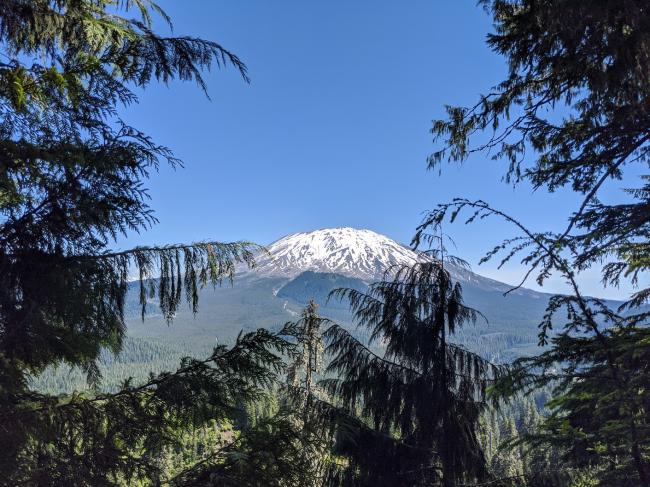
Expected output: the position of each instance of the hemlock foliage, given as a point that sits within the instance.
(72, 175)
(573, 112)
(423, 396)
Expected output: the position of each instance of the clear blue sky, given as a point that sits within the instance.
(333, 129)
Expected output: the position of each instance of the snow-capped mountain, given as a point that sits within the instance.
(362, 254)
(309, 265)
(357, 253)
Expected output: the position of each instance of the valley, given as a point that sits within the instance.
(298, 268)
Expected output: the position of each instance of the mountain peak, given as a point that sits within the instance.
(351, 252)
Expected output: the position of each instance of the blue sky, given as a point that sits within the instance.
(333, 129)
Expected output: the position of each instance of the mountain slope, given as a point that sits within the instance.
(356, 253)
(308, 265)
(317, 286)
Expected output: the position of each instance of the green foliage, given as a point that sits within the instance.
(313, 416)
(103, 439)
(137, 359)
(86, 48)
(576, 96)
(598, 415)
(72, 176)
(573, 112)
(422, 399)
(308, 363)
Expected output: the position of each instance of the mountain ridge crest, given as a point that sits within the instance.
(357, 253)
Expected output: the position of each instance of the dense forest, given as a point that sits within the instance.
(411, 400)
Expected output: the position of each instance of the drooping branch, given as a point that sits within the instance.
(168, 271)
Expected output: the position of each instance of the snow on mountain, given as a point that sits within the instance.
(363, 254)
(351, 252)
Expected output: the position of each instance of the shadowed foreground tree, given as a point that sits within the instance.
(421, 398)
(72, 175)
(289, 443)
(574, 111)
(597, 365)
(268, 454)
(119, 438)
(314, 417)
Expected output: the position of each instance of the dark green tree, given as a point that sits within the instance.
(72, 174)
(272, 452)
(507, 462)
(573, 112)
(285, 438)
(303, 371)
(314, 417)
(72, 179)
(421, 396)
(119, 438)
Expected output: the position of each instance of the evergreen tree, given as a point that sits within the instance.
(284, 439)
(507, 463)
(119, 438)
(308, 362)
(421, 399)
(573, 112)
(313, 417)
(72, 176)
(269, 453)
